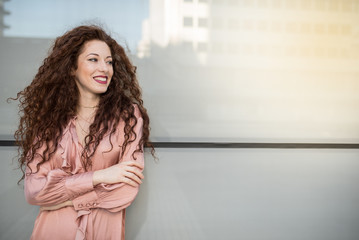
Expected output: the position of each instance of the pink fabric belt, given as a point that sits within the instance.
(83, 216)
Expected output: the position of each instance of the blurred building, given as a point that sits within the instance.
(256, 33)
(3, 12)
(272, 63)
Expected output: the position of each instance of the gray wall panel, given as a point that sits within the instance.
(260, 194)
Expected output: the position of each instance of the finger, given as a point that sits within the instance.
(133, 163)
(131, 183)
(135, 171)
(133, 177)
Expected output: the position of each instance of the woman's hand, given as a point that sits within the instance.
(55, 207)
(128, 172)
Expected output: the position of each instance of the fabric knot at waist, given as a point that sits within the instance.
(83, 216)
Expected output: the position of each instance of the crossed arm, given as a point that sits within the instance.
(129, 172)
(112, 188)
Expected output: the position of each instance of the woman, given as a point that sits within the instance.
(82, 135)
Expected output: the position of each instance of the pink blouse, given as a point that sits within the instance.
(98, 212)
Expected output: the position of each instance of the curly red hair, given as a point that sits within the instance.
(50, 101)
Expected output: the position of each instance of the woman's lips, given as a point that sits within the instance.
(101, 79)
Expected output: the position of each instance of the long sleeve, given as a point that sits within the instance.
(114, 197)
(51, 186)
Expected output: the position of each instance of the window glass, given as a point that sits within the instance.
(270, 72)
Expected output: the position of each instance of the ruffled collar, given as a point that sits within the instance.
(70, 149)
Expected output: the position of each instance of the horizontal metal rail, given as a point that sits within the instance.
(11, 143)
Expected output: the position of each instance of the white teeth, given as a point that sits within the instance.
(100, 79)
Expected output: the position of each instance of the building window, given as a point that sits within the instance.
(217, 23)
(217, 2)
(319, 52)
(248, 25)
(319, 28)
(320, 5)
(305, 51)
(262, 25)
(305, 4)
(276, 27)
(333, 52)
(277, 3)
(347, 6)
(233, 48)
(333, 5)
(247, 3)
(344, 53)
(188, 21)
(202, 47)
(217, 47)
(356, 7)
(262, 50)
(187, 46)
(291, 4)
(290, 51)
(305, 28)
(233, 2)
(262, 3)
(202, 22)
(333, 29)
(247, 49)
(291, 27)
(233, 24)
(346, 29)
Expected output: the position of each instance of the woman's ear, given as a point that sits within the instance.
(73, 72)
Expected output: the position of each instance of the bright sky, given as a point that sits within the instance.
(49, 19)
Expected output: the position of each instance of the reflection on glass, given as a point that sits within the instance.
(247, 70)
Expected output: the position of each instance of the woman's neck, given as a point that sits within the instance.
(89, 100)
(87, 107)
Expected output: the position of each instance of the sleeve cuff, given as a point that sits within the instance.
(79, 184)
(86, 201)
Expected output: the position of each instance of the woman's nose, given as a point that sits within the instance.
(103, 66)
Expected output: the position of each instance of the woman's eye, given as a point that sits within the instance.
(93, 59)
(110, 62)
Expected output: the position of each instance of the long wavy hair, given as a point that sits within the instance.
(50, 101)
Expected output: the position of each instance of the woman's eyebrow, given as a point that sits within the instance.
(92, 54)
(97, 55)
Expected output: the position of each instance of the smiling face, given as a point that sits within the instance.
(94, 69)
